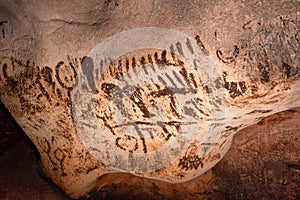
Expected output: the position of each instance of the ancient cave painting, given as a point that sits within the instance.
(140, 100)
(58, 154)
(65, 75)
(235, 89)
(191, 160)
(22, 77)
(127, 143)
(267, 55)
(199, 42)
(2, 24)
(229, 58)
(140, 105)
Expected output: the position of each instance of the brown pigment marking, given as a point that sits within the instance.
(201, 111)
(47, 74)
(246, 24)
(106, 123)
(108, 88)
(150, 60)
(174, 123)
(164, 126)
(171, 80)
(199, 42)
(265, 75)
(117, 69)
(156, 57)
(189, 111)
(46, 148)
(5, 75)
(134, 65)
(120, 71)
(41, 78)
(141, 137)
(160, 79)
(220, 147)
(287, 68)
(60, 156)
(58, 92)
(219, 83)
(168, 134)
(172, 52)
(90, 169)
(3, 22)
(58, 78)
(190, 162)
(259, 111)
(111, 71)
(150, 131)
(126, 137)
(267, 49)
(143, 62)
(29, 70)
(128, 68)
(228, 59)
(101, 69)
(189, 45)
(156, 85)
(116, 74)
(235, 88)
(243, 86)
(179, 48)
(42, 88)
(127, 65)
(184, 74)
(192, 78)
(230, 128)
(161, 92)
(178, 78)
(164, 57)
(137, 99)
(173, 107)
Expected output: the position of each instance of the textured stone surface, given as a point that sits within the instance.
(262, 163)
(254, 45)
(21, 174)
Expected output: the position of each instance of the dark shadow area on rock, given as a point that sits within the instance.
(21, 175)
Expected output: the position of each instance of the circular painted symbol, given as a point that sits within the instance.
(143, 96)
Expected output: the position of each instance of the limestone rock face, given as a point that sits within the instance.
(156, 89)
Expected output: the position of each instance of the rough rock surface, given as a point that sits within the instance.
(254, 46)
(262, 163)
